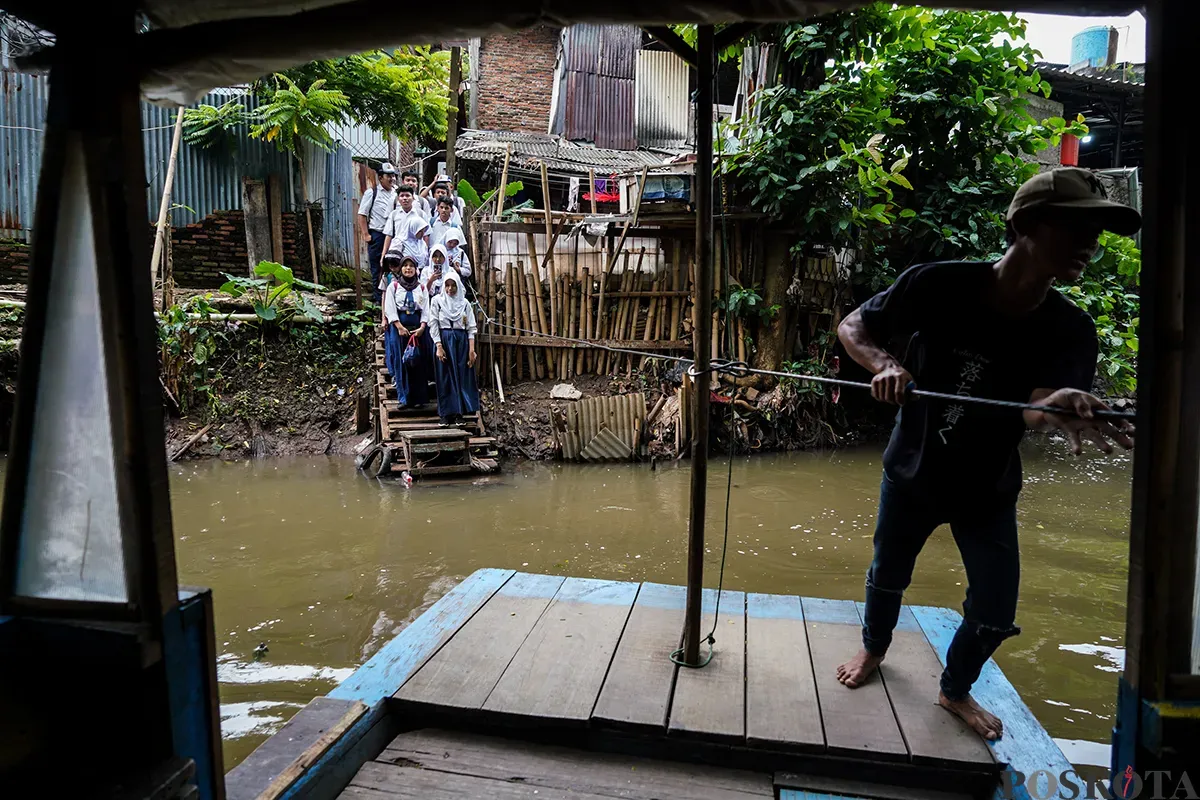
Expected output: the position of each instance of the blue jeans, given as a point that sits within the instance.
(986, 535)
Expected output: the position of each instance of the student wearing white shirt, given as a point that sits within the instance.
(406, 306)
(397, 223)
(452, 327)
(442, 222)
(373, 211)
(411, 180)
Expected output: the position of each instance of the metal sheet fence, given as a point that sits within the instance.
(206, 180)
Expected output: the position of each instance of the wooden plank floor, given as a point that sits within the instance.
(544, 651)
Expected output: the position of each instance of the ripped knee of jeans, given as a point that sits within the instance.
(991, 634)
(872, 586)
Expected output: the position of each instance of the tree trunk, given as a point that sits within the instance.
(312, 250)
(772, 339)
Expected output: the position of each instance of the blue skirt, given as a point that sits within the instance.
(456, 390)
(411, 379)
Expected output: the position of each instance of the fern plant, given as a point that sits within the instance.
(295, 116)
(211, 126)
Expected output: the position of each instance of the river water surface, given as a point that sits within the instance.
(324, 566)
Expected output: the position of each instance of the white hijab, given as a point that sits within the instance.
(455, 307)
(457, 235)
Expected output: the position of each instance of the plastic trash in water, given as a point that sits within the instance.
(404, 476)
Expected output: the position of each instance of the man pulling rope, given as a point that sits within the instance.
(992, 330)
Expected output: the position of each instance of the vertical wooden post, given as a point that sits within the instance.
(527, 321)
(452, 111)
(165, 204)
(510, 316)
(500, 195)
(537, 322)
(583, 362)
(540, 315)
(592, 188)
(551, 272)
(703, 355)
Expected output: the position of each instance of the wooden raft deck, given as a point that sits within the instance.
(538, 686)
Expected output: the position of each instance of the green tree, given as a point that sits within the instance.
(897, 132)
(401, 93)
(293, 117)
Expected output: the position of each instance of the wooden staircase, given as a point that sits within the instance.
(417, 445)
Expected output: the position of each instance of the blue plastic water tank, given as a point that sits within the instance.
(1091, 45)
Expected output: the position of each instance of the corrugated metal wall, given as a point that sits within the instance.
(22, 118)
(205, 180)
(338, 222)
(600, 64)
(663, 102)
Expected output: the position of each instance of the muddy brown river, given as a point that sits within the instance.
(324, 566)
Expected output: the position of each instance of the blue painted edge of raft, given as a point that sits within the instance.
(1026, 746)
(396, 661)
(802, 794)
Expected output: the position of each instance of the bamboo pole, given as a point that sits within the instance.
(500, 194)
(165, 204)
(509, 317)
(583, 362)
(527, 312)
(572, 324)
(592, 188)
(544, 354)
(676, 277)
(540, 354)
(651, 334)
(602, 313)
(552, 273)
(635, 308)
(618, 320)
(518, 321)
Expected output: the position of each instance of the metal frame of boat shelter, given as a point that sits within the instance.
(98, 223)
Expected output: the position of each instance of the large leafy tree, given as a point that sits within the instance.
(899, 132)
(293, 117)
(401, 92)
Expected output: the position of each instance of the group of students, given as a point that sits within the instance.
(429, 323)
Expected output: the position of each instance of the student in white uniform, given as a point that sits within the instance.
(452, 326)
(406, 209)
(434, 272)
(373, 211)
(406, 306)
(442, 221)
(413, 182)
(456, 256)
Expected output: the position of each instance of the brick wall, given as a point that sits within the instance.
(14, 261)
(516, 76)
(202, 252)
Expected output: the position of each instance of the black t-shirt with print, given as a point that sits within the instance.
(958, 343)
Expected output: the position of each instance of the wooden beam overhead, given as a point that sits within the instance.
(674, 42)
(732, 33)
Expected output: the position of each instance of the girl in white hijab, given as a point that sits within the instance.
(455, 254)
(435, 271)
(452, 326)
(416, 240)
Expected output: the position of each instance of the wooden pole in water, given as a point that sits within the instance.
(703, 353)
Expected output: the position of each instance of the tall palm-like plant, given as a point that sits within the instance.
(295, 116)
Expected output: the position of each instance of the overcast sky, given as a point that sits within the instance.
(1051, 33)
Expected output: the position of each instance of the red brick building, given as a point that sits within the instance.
(515, 80)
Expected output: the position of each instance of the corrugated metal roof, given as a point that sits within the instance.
(1050, 71)
(663, 104)
(560, 155)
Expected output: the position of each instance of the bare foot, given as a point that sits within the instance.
(984, 723)
(858, 670)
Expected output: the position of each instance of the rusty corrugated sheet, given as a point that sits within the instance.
(663, 113)
(600, 64)
(622, 416)
(22, 118)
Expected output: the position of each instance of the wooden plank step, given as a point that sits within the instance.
(437, 447)
(858, 722)
(448, 469)
(428, 435)
(546, 767)
(911, 675)
(482, 441)
(464, 671)
(637, 691)
(558, 672)
(710, 703)
(781, 693)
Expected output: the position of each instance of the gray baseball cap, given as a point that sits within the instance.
(1074, 188)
